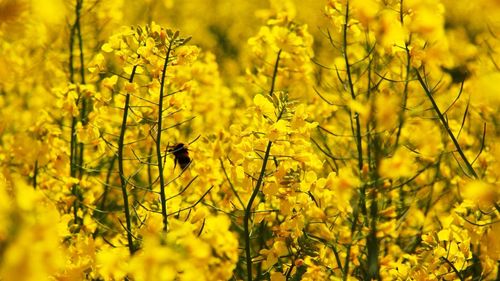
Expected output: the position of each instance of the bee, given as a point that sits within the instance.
(181, 155)
(458, 74)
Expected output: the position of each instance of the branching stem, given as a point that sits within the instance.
(446, 126)
(357, 136)
(248, 211)
(351, 89)
(258, 185)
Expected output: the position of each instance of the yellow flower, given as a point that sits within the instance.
(278, 130)
(110, 82)
(131, 88)
(278, 249)
(148, 50)
(186, 55)
(97, 63)
(263, 105)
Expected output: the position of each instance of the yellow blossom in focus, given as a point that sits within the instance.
(187, 54)
(263, 105)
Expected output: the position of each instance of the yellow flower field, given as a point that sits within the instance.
(249, 140)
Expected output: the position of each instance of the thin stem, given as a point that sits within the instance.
(83, 112)
(150, 172)
(446, 126)
(372, 242)
(104, 197)
(231, 184)
(35, 174)
(123, 179)
(407, 81)
(401, 17)
(74, 154)
(454, 268)
(351, 88)
(80, 40)
(248, 211)
(260, 180)
(348, 250)
(158, 142)
(275, 72)
(71, 44)
(357, 136)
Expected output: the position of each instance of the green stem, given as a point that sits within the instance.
(74, 154)
(275, 73)
(123, 180)
(73, 140)
(106, 186)
(348, 250)
(72, 148)
(102, 205)
(35, 174)
(405, 97)
(80, 40)
(158, 142)
(446, 126)
(83, 112)
(351, 89)
(460, 277)
(71, 55)
(248, 211)
(407, 80)
(260, 180)
(373, 243)
(357, 136)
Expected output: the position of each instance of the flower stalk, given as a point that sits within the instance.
(159, 156)
(123, 179)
